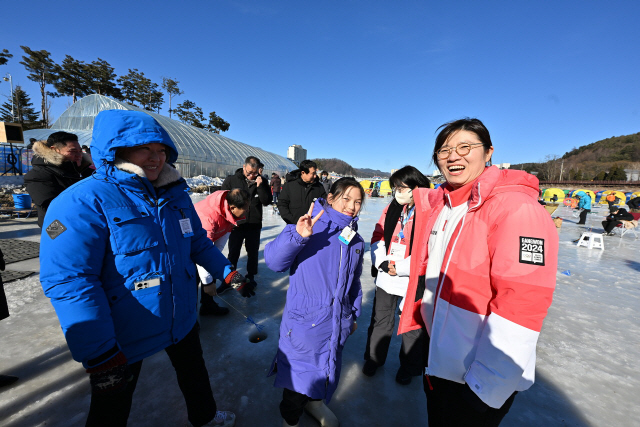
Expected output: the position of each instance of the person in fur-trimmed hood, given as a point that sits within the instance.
(118, 255)
(57, 164)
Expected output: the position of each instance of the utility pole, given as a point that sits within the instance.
(10, 80)
(561, 169)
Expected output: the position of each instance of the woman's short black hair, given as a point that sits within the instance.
(409, 176)
(340, 187)
(468, 124)
(238, 198)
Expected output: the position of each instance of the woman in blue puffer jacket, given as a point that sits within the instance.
(324, 254)
(584, 205)
(117, 260)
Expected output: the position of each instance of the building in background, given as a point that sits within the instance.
(199, 152)
(296, 153)
(503, 165)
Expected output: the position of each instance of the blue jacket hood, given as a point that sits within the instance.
(113, 129)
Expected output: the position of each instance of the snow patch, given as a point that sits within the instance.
(11, 181)
(203, 180)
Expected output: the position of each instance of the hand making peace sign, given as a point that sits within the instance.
(304, 227)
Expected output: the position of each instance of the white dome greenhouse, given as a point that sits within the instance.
(200, 152)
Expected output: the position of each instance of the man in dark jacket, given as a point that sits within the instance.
(57, 163)
(325, 181)
(248, 179)
(299, 191)
(276, 184)
(5, 380)
(634, 204)
(616, 216)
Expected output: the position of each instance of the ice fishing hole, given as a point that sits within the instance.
(257, 336)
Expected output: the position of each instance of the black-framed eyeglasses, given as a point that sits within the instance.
(462, 150)
(251, 173)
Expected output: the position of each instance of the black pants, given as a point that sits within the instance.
(448, 405)
(250, 235)
(610, 225)
(292, 405)
(381, 329)
(112, 410)
(206, 300)
(583, 216)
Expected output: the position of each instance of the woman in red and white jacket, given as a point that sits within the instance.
(483, 272)
(391, 246)
(219, 213)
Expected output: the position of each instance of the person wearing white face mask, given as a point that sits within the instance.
(390, 258)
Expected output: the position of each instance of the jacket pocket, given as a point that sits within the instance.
(132, 229)
(310, 331)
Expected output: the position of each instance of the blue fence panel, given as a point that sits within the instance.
(22, 155)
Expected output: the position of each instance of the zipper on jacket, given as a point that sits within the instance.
(441, 280)
(153, 202)
(426, 375)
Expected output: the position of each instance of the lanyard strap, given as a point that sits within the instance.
(404, 221)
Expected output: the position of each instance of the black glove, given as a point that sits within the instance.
(247, 290)
(384, 267)
(241, 284)
(473, 400)
(110, 377)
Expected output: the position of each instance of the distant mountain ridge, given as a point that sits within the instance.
(343, 168)
(591, 161)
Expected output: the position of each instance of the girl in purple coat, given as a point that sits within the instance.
(323, 253)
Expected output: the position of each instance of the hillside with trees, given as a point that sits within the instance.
(345, 169)
(603, 160)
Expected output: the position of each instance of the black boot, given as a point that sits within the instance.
(403, 376)
(213, 309)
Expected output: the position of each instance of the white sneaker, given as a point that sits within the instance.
(223, 419)
(318, 410)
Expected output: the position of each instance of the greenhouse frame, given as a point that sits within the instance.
(200, 152)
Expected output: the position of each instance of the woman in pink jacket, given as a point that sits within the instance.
(483, 272)
(219, 213)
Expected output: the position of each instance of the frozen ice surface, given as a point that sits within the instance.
(586, 370)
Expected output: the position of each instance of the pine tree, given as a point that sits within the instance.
(217, 124)
(156, 99)
(22, 109)
(171, 87)
(579, 176)
(43, 71)
(4, 56)
(617, 173)
(100, 79)
(189, 117)
(72, 79)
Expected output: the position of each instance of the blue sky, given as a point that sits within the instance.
(368, 82)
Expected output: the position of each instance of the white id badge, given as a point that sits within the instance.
(185, 227)
(347, 234)
(397, 251)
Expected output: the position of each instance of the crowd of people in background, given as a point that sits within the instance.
(126, 257)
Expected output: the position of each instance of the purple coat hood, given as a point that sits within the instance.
(323, 300)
